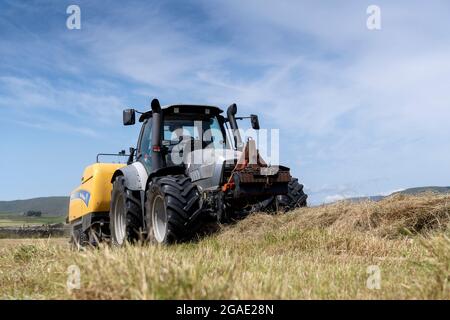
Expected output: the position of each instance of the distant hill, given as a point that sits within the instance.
(49, 206)
(361, 199)
(425, 189)
(412, 191)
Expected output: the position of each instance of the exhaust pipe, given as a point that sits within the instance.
(157, 161)
(231, 112)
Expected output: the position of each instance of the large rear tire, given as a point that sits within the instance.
(172, 204)
(295, 198)
(125, 215)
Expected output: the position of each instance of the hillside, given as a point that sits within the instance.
(52, 206)
(412, 191)
(324, 252)
(418, 190)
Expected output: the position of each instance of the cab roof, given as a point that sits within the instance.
(184, 109)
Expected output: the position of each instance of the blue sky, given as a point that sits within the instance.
(360, 112)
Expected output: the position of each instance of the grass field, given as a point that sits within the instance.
(11, 220)
(327, 252)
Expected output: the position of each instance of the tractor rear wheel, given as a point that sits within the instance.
(172, 202)
(295, 198)
(125, 215)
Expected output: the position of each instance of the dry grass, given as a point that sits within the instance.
(312, 253)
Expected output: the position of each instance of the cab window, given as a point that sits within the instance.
(145, 152)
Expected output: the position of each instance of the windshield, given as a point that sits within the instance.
(207, 130)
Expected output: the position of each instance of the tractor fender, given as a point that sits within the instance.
(135, 176)
(164, 171)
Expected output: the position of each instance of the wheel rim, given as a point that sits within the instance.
(159, 218)
(120, 221)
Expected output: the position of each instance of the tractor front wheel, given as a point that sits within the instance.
(171, 207)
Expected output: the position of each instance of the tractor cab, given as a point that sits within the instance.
(183, 129)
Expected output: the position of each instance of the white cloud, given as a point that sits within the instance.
(334, 198)
(29, 97)
(45, 124)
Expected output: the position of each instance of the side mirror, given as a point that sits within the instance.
(255, 121)
(129, 117)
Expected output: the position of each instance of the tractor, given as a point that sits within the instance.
(190, 166)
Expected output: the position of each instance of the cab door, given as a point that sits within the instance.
(144, 152)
